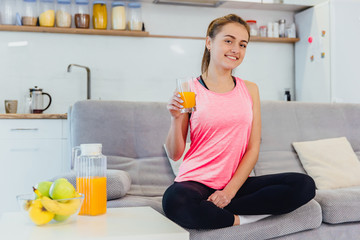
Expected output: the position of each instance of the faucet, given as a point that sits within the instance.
(88, 76)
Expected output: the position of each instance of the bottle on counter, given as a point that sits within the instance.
(135, 22)
(47, 13)
(82, 14)
(118, 16)
(99, 15)
(253, 27)
(287, 95)
(282, 28)
(63, 13)
(29, 13)
(7, 12)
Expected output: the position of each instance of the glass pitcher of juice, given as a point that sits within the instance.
(90, 167)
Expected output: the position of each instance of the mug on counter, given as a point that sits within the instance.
(11, 106)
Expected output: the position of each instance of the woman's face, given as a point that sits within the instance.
(227, 49)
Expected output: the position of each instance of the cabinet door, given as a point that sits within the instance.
(25, 162)
(312, 71)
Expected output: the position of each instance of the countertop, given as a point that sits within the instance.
(33, 116)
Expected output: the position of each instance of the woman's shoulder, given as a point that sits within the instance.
(251, 86)
(252, 89)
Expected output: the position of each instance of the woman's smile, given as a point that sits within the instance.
(234, 58)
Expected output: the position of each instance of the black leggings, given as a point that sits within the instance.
(186, 202)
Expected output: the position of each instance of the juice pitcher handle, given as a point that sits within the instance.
(74, 155)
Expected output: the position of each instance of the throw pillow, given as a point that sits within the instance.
(118, 182)
(176, 164)
(332, 162)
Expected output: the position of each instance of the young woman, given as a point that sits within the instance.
(213, 188)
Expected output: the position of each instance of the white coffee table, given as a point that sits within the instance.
(132, 223)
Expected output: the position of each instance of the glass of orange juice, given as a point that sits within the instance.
(183, 87)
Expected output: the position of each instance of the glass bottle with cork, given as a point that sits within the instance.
(90, 167)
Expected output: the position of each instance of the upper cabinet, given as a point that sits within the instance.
(282, 5)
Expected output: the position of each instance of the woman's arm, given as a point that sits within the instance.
(222, 198)
(176, 139)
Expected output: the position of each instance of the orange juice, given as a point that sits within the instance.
(94, 189)
(188, 98)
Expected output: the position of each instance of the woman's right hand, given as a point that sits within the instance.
(174, 106)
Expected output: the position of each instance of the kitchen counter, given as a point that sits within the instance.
(33, 116)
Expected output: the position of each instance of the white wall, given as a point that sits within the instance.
(135, 69)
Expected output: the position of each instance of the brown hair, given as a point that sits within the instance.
(214, 28)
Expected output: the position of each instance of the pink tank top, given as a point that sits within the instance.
(219, 131)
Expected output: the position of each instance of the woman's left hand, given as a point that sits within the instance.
(220, 198)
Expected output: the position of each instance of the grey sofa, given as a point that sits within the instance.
(133, 134)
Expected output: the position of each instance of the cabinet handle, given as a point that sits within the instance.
(24, 129)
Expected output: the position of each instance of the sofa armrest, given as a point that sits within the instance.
(117, 184)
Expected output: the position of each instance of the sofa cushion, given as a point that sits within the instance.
(340, 205)
(117, 182)
(306, 217)
(149, 176)
(331, 162)
(287, 122)
(271, 162)
(128, 129)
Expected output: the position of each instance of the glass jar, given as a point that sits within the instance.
(118, 17)
(282, 28)
(29, 13)
(263, 30)
(90, 167)
(253, 27)
(7, 12)
(135, 18)
(47, 13)
(63, 13)
(99, 15)
(82, 14)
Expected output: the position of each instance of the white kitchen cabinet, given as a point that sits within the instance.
(32, 150)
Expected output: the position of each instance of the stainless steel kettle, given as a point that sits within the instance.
(37, 100)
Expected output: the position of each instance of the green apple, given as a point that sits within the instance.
(44, 188)
(60, 218)
(62, 189)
